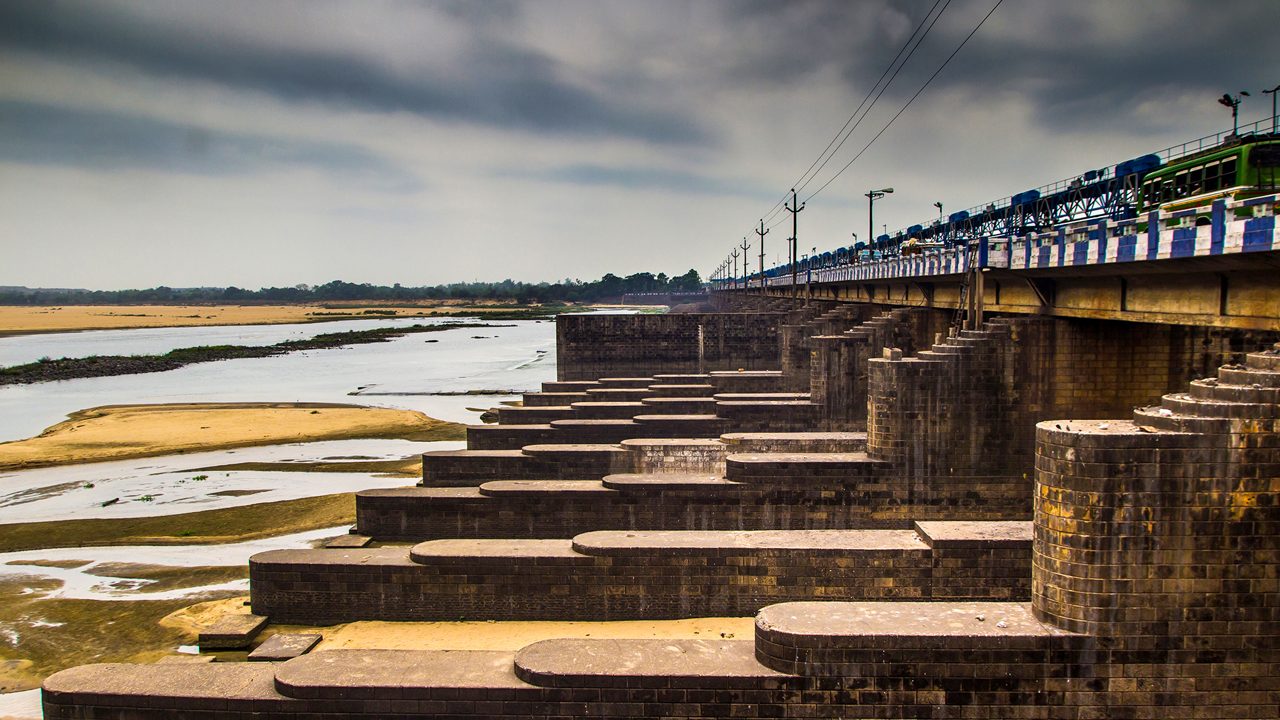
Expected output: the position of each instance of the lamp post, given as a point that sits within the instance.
(939, 206)
(1272, 93)
(872, 196)
(1233, 102)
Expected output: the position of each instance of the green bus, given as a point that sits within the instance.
(1247, 167)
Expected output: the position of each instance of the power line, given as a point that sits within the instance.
(913, 99)
(878, 94)
(802, 182)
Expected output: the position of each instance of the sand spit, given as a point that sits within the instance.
(116, 432)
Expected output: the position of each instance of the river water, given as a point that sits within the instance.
(400, 373)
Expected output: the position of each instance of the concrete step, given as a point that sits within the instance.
(588, 461)
(569, 385)
(626, 382)
(470, 468)
(768, 415)
(1186, 404)
(801, 468)
(747, 381)
(795, 442)
(1162, 418)
(506, 437)
(577, 430)
(1240, 375)
(1211, 389)
(696, 390)
(678, 426)
(541, 488)
(625, 394)
(762, 397)
(508, 415)
(549, 399)
(676, 455)
(600, 410)
(1265, 360)
(679, 406)
(649, 483)
(682, 378)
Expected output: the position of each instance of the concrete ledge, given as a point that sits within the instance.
(284, 646)
(401, 675)
(533, 488)
(795, 442)
(507, 437)
(635, 482)
(600, 410)
(758, 543)
(703, 664)
(231, 632)
(944, 534)
(518, 415)
(800, 468)
(193, 687)
(537, 551)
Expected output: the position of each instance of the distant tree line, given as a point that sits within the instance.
(606, 288)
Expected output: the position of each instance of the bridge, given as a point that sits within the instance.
(1165, 267)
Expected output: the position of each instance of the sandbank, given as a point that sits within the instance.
(22, 320)
(116, 432)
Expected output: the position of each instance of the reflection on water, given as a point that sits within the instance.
(516, 358)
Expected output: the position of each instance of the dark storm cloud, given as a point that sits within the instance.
(642, 178)
(1081, 65)
(503, 85)
(42, 134)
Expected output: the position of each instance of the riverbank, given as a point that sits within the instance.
(24, 320)
(118, 432)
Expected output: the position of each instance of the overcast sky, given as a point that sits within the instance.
(254, 142)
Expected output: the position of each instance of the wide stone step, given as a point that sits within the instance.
(647, 665)
(795, 442)
(600, 410)
(801, 468)
(768, 415)
(619, 575)
(679, 406)
(676, 455)
(1239, 375)
(762, 397)
(688, 390)
(569, 385)
(1211, 389)
(541, 488)
(1161, 418)
(658, 482)
(586, 461)
(455, 468)
(1185, 404)
(556, 399)
(626, 382)
(506, 437)
(618, 394)
(508, 415)
(747, 381)
(1265, 360)
(678, 426)
(681, 378)
(577, 430)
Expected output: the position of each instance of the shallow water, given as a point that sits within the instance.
(173, 484)
(79, 584)
(516, 358)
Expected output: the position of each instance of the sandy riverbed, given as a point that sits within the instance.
(130, 431)
(19, 320)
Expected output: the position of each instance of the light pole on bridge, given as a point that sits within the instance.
(1233, 102)
(872, 196)
(1272, 93)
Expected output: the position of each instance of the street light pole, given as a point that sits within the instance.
(872, 196)
(1272, 93)
(1233, 102)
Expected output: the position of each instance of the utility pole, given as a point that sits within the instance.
(872, 196)
(746, 272)
(794, 209)
(762, 232)
(1272, 93)
(734, 255)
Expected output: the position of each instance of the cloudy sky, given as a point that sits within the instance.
(255, 142)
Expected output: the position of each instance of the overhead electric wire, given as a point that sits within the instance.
(878, 94)
(805, 177)
(908, 103)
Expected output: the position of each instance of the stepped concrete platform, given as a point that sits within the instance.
(519, 415)
(600, 410)
(676, 455)
(747, 381)
(557, 399)
(679, 405)
(572, 386)
(508, 437)
(615, 575)
(768, 415)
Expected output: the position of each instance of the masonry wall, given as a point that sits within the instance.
(592, 346)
